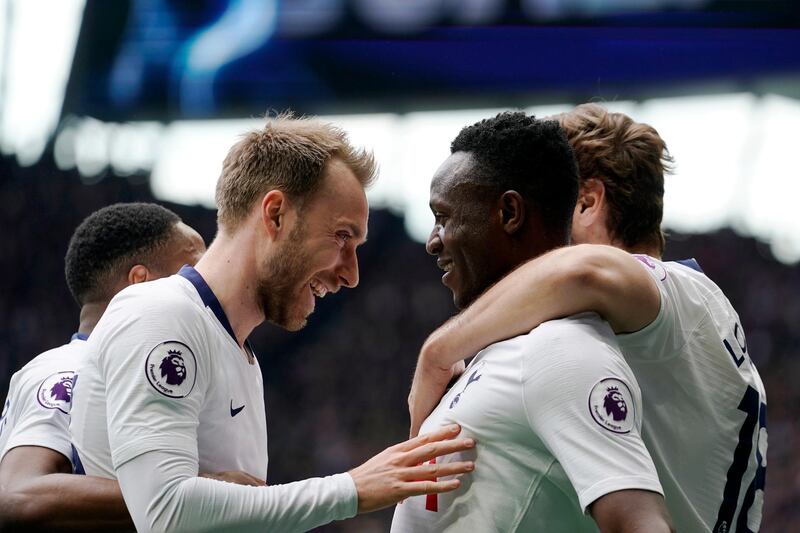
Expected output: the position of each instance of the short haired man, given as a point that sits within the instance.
(556, 413)
(171, 385)
(706, 405)
(112, 248)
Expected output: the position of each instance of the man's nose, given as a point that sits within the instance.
(434, 244)
(348, 269)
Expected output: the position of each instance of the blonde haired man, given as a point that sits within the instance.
(171, 385)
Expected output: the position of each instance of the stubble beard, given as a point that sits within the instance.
(282, 278)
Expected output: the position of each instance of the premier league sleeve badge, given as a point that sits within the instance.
(171, 369)
(55, 392)
(612, 406)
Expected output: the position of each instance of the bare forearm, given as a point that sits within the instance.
(640, 525)
(528, 296)
(561, 283)
(516, 304)
(632, 511)
(64, 502)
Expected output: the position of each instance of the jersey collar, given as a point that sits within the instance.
(208, 297)
(691, 263)
(79, 337)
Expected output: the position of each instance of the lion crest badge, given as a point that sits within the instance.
(171, 369)
(55, 392)
(612, 405)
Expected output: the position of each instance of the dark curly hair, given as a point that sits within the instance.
(111, 240)
(514, 151)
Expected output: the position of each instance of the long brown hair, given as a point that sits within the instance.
(630, 159)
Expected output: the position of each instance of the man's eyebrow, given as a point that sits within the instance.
(356, 231)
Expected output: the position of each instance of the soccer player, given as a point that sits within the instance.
(171, 386)
(112, 248)
(705, 404)
(556, 413)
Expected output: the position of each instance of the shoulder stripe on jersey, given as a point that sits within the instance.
(691, 263)
(208, 297)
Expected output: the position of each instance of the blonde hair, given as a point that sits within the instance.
(288, 154)
(630, 159)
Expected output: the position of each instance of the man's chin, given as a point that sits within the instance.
(289, 323)
(295, 325)
(287, 320)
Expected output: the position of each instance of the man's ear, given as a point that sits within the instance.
(591, 202)
(138, 274)
(273, 212)
(512, 211)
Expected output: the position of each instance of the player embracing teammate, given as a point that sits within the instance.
(704, 419)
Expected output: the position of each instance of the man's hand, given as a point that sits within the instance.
(235, 476)
(401, 471)
(429, 385)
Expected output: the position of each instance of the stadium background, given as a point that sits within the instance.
(139, 100)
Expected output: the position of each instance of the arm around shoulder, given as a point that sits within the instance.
(564, 282)
(561, 283)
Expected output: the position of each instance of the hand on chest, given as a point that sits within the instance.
(485, 401)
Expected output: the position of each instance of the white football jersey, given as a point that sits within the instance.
(163, 370)
(556, 415)
(705, 403)
(36, 411)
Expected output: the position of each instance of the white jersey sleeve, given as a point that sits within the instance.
(677, 319)
(36, 411)
(706, 404)
(146, 409)
(172, 498)
(583, 401)
(157, 372)
(35, 424)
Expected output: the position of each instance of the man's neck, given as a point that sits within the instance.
(228, 267)
(90, 315)
(651, 251)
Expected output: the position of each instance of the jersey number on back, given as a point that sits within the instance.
(756, 413)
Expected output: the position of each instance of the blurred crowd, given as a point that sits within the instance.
(336, 391)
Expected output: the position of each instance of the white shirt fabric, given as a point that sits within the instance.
(556, 415)
(164, 375)
(36, 410)
(705, 403)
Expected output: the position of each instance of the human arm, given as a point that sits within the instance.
(152, 426)
(38, 491)
(582, 400)
(632, 511)
(172, 498)
(237, 477)
(563, 282)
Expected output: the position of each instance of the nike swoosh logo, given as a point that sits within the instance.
(237, 410)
